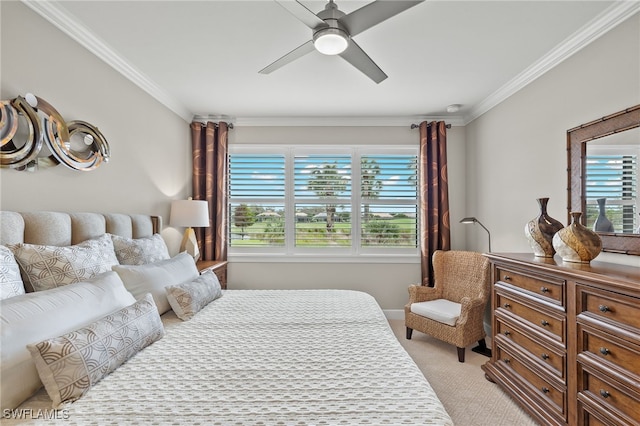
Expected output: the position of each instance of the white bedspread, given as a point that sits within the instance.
(254, 357)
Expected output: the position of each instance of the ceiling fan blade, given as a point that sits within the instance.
(374, 13)
(359, 59)
(301, 12)
(296, 53)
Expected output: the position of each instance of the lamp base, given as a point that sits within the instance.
(190, 244)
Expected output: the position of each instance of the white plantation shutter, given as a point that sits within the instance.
(615, 178)
(388, 185)
(256, 200)
(322, 191)
(309, 201)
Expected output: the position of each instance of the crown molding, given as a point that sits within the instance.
(69, 25)
(606, 21)
(385, 121)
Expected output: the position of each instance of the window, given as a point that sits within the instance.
(298, 201)
(613, 177)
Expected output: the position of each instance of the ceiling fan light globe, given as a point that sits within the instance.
(330, 41)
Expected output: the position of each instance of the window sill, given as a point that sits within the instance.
(315, 258)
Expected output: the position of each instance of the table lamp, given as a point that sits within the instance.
(190, 213)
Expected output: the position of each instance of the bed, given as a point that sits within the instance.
(262, 357)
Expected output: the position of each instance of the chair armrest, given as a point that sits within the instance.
(421, 293)
(472, 310)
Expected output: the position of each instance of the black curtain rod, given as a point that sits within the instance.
(415, 126)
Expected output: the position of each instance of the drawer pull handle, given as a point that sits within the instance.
(507, 278)
(507, 333)
(506, 306)
(604, 308)
(544, 323)
(604, 393)
(544, 356)
(544, 289)
(605, 351)
(507, 360)
(545, 389)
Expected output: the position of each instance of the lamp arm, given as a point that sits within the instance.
(488, 233)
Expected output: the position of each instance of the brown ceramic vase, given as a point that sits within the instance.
(576, 242)
(540, 231)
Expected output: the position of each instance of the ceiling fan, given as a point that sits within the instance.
(333, 32)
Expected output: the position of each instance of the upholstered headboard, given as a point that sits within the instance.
(64, 229)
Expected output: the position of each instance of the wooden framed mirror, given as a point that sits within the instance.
(614, 140)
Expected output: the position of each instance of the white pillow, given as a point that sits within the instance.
(47, 267)
(140, 251)
(71, 364)
(154, 277)
(32, 317)
(187, 299)
(10, 280)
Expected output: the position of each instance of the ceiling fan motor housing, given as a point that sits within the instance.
(333, 38)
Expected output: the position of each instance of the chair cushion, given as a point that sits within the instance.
(441, 310)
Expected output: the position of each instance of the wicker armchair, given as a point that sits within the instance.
(459, 297)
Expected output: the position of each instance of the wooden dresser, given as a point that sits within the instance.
(566, 339)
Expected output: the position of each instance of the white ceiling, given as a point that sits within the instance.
(203, 57)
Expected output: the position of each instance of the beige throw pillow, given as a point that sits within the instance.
(189, 298)
(140, 251)
(48, 267)
(32, 317)
(71, 364)
(154, 277)
(10, 280)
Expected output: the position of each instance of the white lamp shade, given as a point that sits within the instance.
(189, 213)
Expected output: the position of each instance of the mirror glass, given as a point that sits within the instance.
(611, 183)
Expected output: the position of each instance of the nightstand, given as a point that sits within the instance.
(219, 267)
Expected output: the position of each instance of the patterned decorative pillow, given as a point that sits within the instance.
(71, 364)
(140, 251)
(48, 267)
(40, 315)
(10, 280)
(187, 299)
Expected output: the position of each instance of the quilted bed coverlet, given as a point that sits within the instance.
(264, 357)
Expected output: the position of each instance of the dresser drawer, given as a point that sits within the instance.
(536, 316)
(550, 395)
(589, 416)
(619, 309)
(552, 360)
(549, 288)
(609, 396)
(610, 349)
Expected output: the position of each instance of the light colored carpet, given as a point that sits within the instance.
(469, 398)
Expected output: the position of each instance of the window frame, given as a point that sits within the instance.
(356, 253)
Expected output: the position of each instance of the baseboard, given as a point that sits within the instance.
(394, 314)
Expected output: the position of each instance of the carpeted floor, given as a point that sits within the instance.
(470, 399)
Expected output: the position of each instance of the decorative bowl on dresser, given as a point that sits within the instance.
(566, 338)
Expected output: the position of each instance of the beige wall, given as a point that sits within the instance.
(151, 160)
(498, 164)
(150, 145)
(517, 151)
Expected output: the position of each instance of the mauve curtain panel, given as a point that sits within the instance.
(435, 229)
(210, 153)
